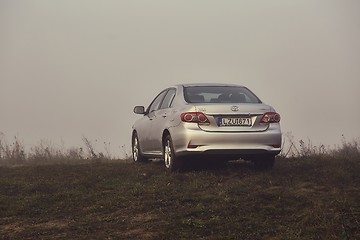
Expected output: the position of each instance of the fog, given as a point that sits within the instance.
(74, 68)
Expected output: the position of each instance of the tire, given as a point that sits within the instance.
(136, 152)
(172, 162)
(264, 162)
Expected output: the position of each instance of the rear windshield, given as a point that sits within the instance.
(219, 94)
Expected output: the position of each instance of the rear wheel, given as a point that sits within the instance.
(172, 162)
(264, 162)
(136, 152)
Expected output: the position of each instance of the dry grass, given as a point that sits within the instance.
(301, 198)
(15, 154)
(310, 196)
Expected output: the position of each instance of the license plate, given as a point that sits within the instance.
(234, 121)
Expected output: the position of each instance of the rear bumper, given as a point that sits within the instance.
(232, 152)
(190, 140)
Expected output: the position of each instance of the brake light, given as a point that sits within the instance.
(270, 117)
(194, 117)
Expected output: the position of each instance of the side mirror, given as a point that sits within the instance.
(139, 110)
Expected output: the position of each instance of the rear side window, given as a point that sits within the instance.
(219, 94)
(168, 99)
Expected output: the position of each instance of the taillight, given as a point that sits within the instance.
(270, 117)
(194, 117)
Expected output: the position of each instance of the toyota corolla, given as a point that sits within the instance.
(207, 121)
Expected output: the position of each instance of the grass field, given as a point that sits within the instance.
(301, 198)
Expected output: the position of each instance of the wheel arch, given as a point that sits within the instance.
(134, 132)
(166, 133)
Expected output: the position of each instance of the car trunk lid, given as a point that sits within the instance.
(242, 117)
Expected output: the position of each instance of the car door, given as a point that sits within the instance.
(160, 121)
(150, 121)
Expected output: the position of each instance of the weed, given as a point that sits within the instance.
(306, 149)
(47, 153)
(13, 153)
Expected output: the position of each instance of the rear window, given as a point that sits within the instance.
(219, 94)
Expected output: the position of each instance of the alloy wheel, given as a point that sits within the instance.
(136, 149)
(168, 154)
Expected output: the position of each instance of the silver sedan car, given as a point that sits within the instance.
(207, 121)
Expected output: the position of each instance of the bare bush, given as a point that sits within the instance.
(45, 152)
(90, 148)
(302, 149)
(93, 154)
(291, 150)
(307, 149)
(348, 149)
(12, 153)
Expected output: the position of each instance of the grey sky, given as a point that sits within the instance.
(77, 67)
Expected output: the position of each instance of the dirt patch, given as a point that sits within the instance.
(20, 226)
(139, 233)
(143, 217)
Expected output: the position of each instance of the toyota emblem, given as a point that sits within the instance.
(234, 108)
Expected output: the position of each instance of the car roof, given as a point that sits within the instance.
(209, 84)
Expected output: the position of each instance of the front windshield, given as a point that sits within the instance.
(219, 94)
